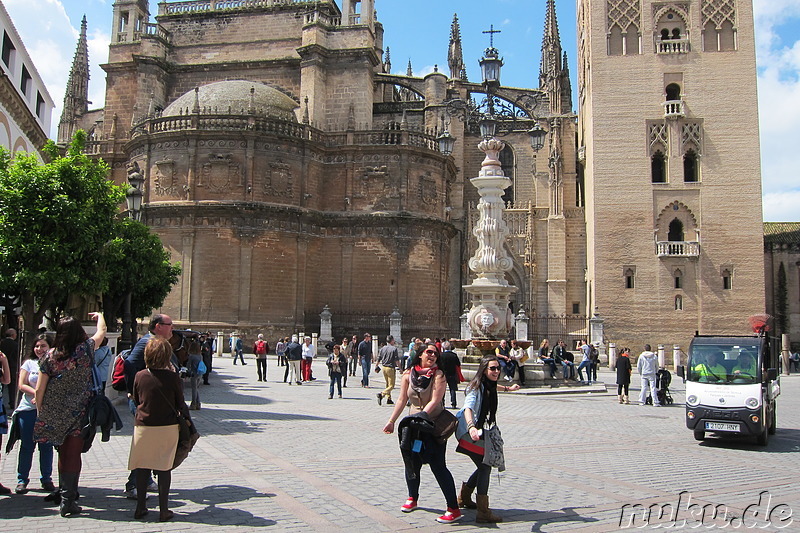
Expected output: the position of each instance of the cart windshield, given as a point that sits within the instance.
(724, 363)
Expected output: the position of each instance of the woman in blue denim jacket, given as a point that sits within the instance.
(479, 411)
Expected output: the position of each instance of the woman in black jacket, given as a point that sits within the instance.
(624, 370)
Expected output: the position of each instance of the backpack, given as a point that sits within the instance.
(261, 347)
(118, 376)
(593, 353)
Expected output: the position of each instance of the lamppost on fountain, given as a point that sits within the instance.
(490, 316)
(133, 199)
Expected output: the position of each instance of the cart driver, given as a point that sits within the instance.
(712, 369)
(745, 365)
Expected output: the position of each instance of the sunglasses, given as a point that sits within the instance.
(493, 368)
(166, 323)
(430, 352)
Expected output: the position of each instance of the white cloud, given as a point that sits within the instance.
(782, 206)
(779, 105)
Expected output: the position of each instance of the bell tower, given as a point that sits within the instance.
(672, 173)
(130, 17)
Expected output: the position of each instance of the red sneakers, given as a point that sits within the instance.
(409, 506)
(451, 516)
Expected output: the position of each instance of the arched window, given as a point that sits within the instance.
(675, 231)
(690, 171)
(676, 33)
(726, 279)
(678, 279)
(658, 167)
(507, 164)
(630, 278)
(673, 91)
(665, 34)
(679, 303)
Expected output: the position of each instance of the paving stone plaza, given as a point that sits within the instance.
(279, 457)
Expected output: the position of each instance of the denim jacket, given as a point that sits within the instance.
(473, 402)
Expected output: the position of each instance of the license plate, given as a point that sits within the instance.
(719, 426)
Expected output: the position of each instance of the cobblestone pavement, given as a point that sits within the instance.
(288, 458)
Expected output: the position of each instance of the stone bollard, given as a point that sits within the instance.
(661, 359)
(676, 357)
(612, 355)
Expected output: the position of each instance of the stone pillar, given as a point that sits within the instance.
(325, 328)
(785, 352)
(220, 343)
(612, 355)
(676, 357)
(596, 337)
(521, 322)
(662, 362)
(396, 325)
(315, 342)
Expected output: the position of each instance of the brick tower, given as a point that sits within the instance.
(668, 140)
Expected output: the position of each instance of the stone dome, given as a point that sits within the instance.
(234, 97)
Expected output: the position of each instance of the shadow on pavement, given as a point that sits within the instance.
(109, 505)
(539, 519)
(785, 440)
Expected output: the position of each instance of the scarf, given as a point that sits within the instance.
(420, 378)
(488, 404)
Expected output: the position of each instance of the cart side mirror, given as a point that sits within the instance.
(681, 371)
(772, 374)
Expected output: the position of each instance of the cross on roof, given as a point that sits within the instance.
(491, 31)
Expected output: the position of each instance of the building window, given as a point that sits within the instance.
(8, 50)
(630, 278)
(25, 81)
(506, 158)
(658, 167)
(726, 280)
(678, 278)
(576, 308)
(679, 303)
(675, 231)
(39, 105)
(690, 173)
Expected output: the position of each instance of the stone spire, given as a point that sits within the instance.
(76, 95)
(387, 63)
(553, 74)
(409, 70)
(455, 57)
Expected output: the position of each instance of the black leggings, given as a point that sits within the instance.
(620, 387)
(479, 479)
(436, 460)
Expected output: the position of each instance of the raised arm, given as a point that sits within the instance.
(100, 334)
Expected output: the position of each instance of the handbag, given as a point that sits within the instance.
(444, 425)
(187, 433)
(524, 358)
(493, 455)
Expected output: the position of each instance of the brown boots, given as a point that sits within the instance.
(465, 497)
(485, 515)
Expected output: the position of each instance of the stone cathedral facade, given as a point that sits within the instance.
(288, 168)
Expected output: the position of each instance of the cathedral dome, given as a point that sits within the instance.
(235, 97)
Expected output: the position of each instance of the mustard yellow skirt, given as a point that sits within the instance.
(153, 447)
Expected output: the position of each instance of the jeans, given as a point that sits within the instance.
(569, 369)
(238, 354)
(27, 446)
(593, 370)
(521, 374)
(261, 368)
(366, 366)
(508, 367)
(588, 366)
(549, 361)
(337, 379)
(435, 454)
(353, 365)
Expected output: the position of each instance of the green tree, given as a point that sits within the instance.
(55, 221)
(136, 262)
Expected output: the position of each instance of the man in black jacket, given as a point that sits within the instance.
(451, 366)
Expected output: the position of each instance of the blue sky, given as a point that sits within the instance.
(418, 30)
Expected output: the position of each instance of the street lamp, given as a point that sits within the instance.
(133, 199)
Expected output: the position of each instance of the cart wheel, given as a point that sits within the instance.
(773, 422)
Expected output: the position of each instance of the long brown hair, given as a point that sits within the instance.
(69, 334)
(46, 337)
(475, 383)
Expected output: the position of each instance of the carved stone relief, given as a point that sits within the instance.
(220, 171)
(278, 180)
(165, 183)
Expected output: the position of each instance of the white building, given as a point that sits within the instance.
(26, 107)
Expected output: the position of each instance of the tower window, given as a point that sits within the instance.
(630, 278)
(726, 280)
(673, 91)
(679, 303)
(576, 308)
(690, 173)
(658, 168)
(678, 279)
(675, 231)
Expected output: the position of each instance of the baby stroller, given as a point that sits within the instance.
(663, 379)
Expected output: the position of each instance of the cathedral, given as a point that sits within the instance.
(290, 171)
